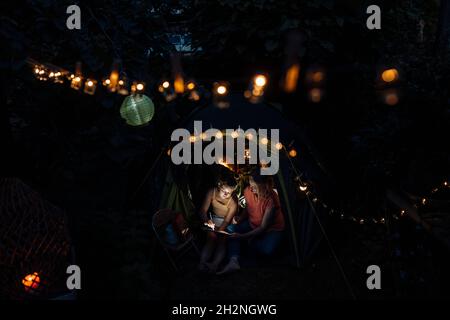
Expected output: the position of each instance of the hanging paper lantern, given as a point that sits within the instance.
(137, 110)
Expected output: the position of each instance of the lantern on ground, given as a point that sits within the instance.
(31, 281)
(137, 110)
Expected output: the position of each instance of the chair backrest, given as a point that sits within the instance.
(163, 217)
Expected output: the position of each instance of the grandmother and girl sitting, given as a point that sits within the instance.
(261, 221)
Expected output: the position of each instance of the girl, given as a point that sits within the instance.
(217, 211)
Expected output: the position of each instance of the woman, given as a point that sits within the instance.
(217, 212)
(262, 221)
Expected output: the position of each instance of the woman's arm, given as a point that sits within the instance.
(232, 210)
(205, 206)
(265, 223)
(241, 217)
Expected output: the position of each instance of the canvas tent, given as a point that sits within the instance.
(180, 191)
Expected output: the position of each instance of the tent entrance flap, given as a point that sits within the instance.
(175, 198)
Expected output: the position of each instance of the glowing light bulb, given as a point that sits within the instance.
(219, 135)
(318, 76)
(260, 80)
(221, 89)
(264, 141)
(166, 84)
(389, 75)
(278, 146)
(234, 134)
(190, 86)
(292, 153)
(139, 87)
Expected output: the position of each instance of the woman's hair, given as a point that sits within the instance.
(264, 182)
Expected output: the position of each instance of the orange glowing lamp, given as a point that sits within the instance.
(31, 281)
(292, 153)
(389, 75)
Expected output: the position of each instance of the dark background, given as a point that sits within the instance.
(77, 152)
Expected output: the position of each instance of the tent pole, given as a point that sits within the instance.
(341, 269)
(333, 253)
(291, 219)
(147, 174)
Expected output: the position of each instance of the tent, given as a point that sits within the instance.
(180, 182)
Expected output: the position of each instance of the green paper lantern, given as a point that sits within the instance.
(137, 110)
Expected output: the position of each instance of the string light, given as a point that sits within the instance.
(137, 87)
(389, 75)
(76, 83)
(89, 86)
(247, 154)
(291, 78)
(178, 84)
(122, 87)
(260, 80)
(190, 85)
(220, 95)
(315, 95)
(303, 187)
(264, 140)
(194, 96)
(318, 76)
(279, 146)
(292, 153)
(221, 90)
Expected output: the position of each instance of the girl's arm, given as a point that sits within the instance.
(205, 206)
